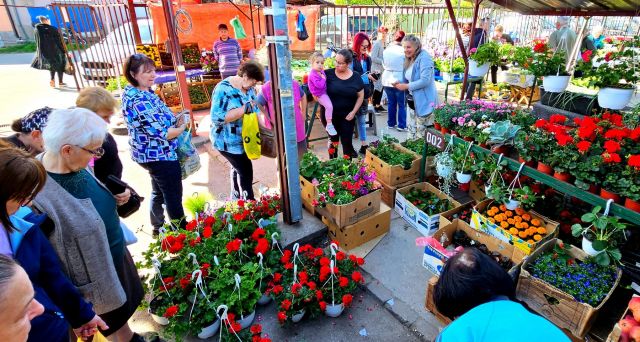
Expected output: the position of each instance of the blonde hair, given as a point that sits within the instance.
(499, 28)
(314, 56)
(96, 99)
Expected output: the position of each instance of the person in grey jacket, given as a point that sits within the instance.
(377, 68)
(85, 231)
(419, 82)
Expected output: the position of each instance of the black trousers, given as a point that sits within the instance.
(344, 128)
(53, 73)
(494, 72)
(241, 174)
(377, 97)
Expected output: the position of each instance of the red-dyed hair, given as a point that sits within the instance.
(359, 38)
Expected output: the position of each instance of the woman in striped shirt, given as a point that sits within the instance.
(227, 52)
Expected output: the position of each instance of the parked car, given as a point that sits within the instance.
(104, 59)
(341, 28)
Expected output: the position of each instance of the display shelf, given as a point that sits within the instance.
(564, 187)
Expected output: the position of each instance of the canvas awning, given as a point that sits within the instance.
(580, 8)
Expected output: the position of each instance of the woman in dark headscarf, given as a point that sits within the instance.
(50, 53)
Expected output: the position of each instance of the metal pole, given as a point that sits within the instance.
(456, 28)
(476, 7)
(253, 30)
(134, 22)
(176, 54)
(282, 92)
(576, 47)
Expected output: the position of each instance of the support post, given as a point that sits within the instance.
(465, 79)
(282, 93)
(134, 21)
(176, 54)
(576, 47)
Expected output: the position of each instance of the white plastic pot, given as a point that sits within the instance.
(555, 84)
(264, 300)
(614, 98)
(298, 317)
(463, 178)
(487, 188)
(443, 171)
(247, 320)
(334, 310)
(210, 330)
(587, 247)
(512, 204)
(159, 319)
(476, 70)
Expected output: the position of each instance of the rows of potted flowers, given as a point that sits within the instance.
(210, 276)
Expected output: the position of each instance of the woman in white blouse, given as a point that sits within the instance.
(393, 64)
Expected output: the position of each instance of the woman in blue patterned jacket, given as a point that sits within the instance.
(153, 130)
(231, 99)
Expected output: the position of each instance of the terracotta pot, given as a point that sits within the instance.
(594, 189)
(437, 126)
(501, 149)
(544, 168)
(444, 130)
(468, 139)
(563, 176)
(530, 163)
(464, 186)
(633, 205)
(610, 195)
(484, 145)
(455, 133)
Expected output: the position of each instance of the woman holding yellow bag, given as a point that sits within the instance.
(232, 99)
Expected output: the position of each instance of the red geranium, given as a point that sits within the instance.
(634, 161)
(195, 241)
(285, 305)
(611, 157)
(583, 146)
(607, 57)
(635, 134)
(312, 285)
(324, 261)
(277, 289)
(303, 277)
(347, 299)
(319, 295)
(541, 123)
(295, 289)
(323, 306)
(540, 48)
(357, 277)
(340, 256)
(171, 311)
(207, 232)
(258, 234)
(184, 282)
(256, 329)
(262, 247)
(191, 225)
(564, 139)
(277, 277)
(558, 119)
(209, 221)
(344, 281)
(612, 146)
(282, 317)
(234, 245)
(616, 133)
(285, 256)
(586, 56)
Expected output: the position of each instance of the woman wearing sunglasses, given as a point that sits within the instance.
(84, 229)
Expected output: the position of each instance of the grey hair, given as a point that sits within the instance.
(415, 41)
(75, 126)
(42, 18)
(8, 269)
(563, 20)
(347, 54)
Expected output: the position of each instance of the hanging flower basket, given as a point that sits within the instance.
(247, 320)
(463, 178)
(555, 84)
(512, 204)
(476, 70)
(264, 300)
(587, 247)
(298, 317)
(614, 98)
(334, 310)
(210, 330)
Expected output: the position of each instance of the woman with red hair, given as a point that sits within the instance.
(362, 65)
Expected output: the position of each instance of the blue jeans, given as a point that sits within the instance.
(396, 105)
(362, 117)
(166, 185)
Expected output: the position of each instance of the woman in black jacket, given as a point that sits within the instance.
(362, 65)
(50, 53)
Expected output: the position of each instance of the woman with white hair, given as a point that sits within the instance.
(563, 39)
(420, 84)
(86, 232)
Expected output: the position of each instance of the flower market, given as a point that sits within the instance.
(318, 171)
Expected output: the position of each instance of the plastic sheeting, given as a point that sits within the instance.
(206, 18)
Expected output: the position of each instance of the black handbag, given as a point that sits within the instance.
(117, 186)
(268, 138)
(410, 102)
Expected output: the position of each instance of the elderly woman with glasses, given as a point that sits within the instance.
(153, 130)
(84, 227)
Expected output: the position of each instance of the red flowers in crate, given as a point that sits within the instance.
(611, 157)
(583, 146)
(171, 311)
(234, 245)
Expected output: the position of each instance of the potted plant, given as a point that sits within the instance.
(587, 173)
(601, 237)
(551, 65)
(482, 58)
(524, 147)
(501, 134)
(237, 289)
(336, 293)
(522, 56)
(522, 197)
(463, 161)
(449, 68)
(615, 74)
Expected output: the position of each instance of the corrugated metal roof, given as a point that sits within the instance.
(573, 7)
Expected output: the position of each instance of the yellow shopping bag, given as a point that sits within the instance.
(98, 337)
(251, 135)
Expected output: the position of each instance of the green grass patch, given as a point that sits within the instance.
(19, 48)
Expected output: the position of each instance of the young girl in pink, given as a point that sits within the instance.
(318, 88)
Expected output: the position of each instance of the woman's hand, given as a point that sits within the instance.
(90, 328)
(351, 115)
(123, 197)
(371, 78)
(402, 86)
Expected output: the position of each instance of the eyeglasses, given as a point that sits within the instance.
(98, 152)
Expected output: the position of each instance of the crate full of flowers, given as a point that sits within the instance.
(421, 205)
(393, 163)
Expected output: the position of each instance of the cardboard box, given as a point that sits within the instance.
(389, 192)
(477, 192)
(425, 224)
(308, 194)
(433, 259)
(430, 305)
(446, 220)
(393, 175)
(481, 222)
(347, 214)
(555, 305)
(615, 334)
(363, 231)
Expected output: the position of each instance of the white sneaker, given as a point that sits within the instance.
(331, 130)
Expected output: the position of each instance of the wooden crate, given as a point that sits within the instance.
(361, 232)
(308, 194)
(429, 303)
(393, 175)
(200, 106)
(615, 334)
(389, 192)
(347, 214)
(555, 305)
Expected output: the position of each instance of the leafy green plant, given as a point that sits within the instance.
(388, 153)
(463, 161)
(197, 94)
(525, 196)
(522, 55)
(616, 69)
(587, 172)
(311, 167)
(486, 53)
(112, 83)
(547, 62)
(446, 65)
(427, 201)
(606, 232)
(197, 203)
(418, 146)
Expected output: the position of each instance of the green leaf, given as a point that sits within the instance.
(603, 259)
(600, 245)
(615, 254)
(576, 230)
(588, 217)
(601, 223)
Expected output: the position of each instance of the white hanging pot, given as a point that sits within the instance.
(210, 330)
(264, 300)
(247, 320)
(587, 247)
(159, 319)
(512, 204)
(443, 171)
(614, 98)
(476, 70)
(487, 188)
(555, 84)
(334, 310)
(463, 178)
(298, 317)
